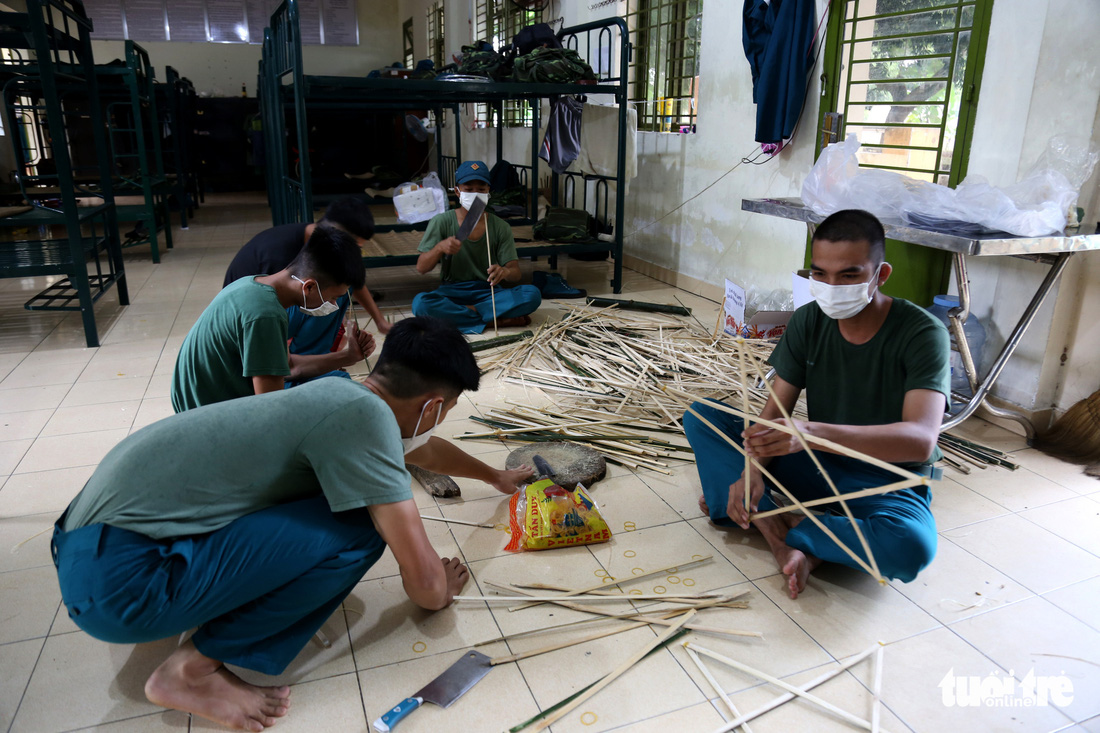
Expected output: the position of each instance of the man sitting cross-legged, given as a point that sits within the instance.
(876, 374)
(252, 520)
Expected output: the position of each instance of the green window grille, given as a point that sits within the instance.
(407, 43)
(436, 44)
(906, 77)
(498, 21)
(664, 73)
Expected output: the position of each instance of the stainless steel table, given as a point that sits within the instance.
(1054, 250)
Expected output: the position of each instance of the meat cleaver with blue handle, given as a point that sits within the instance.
(443, 690)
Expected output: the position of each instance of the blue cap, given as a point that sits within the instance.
(472, 170)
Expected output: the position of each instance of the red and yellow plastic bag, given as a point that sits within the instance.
(544, 515)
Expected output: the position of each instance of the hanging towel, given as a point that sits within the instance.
(562, 140)
(599, 151)
(778, 38)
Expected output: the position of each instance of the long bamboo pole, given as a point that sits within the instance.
(896, 486)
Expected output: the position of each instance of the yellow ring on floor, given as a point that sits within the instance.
(588, 720)
(629, 553)
(422, 645)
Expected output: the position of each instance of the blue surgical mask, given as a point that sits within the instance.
(327, 307)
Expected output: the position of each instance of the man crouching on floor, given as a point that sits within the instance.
(252, 519)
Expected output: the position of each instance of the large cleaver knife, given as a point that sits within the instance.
(443, 690)
(473, 215)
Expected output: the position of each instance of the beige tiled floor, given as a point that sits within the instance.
(1014, 588)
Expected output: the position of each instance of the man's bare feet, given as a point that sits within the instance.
(703, 505)
(795, 564)
(194, 683)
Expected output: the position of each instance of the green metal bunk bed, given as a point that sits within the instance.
(286, 91)
(129, 100)
(176, 104)
(50, 93)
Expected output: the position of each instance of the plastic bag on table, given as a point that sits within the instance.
(417, 202)
(544, 515)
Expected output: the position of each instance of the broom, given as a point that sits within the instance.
(1075, 437)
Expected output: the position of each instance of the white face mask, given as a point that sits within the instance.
(844, 301)
(466, 198)
(327, 307)
(417, 441)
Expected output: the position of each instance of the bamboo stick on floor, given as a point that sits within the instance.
(705, 671)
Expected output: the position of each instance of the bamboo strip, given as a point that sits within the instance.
(714, 684)
(788, 696)
(853, 719)
(897, 486)
(593, 597)
(630, 579)
(876, 690)
(547, 721)
(458, 521)
(747, 423)
(565, 644)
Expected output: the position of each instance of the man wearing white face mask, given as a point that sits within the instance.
(471, 280)
(262, 518)
(877, 379)
(238, 346)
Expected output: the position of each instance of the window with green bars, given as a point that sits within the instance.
(436, 45)
(664, 72)
(407, 43)
(906, 74)
(498, 22)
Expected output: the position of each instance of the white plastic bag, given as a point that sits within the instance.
(417, 202)
(1032, 207)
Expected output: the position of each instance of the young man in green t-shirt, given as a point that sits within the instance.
(877, 379)
(238, 346)
(253, 519)
(471, 281)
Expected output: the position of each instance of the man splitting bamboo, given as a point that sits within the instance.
(473, 269)
(877, 379)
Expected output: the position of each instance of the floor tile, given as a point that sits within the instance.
(315, 661)
(45, 397)
(64, 451)
(11, 453)
(702, 716)
(746, 549)
(1025, 552)
(92, 418)
(479, 543)
(119, 367)
(845, 611)
(28, 599)
(1080, 600)
(913, 680)
(25, 541)
(48, 491)
(36, 375)
(988, 434)
(152, 410)
(681, 490)
(1076, 520)
(1070, 475)
(103, 683)
(331, 704)
(500, 700)
(102, 391)
(958, 585)
(954, 505)
(159, 386)
(166, 721)
(1016, 490)
(628, 502)
(23, 425)
(16, 663)
(1034, 636)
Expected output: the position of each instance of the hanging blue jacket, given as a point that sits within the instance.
(778, 38)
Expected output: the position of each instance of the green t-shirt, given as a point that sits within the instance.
(864, 384)
(472, 261)
(197, 471)
(241, 334)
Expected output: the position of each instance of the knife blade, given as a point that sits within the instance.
(473, 215)
(455, 681)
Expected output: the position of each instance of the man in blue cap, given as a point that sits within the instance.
(474, 268)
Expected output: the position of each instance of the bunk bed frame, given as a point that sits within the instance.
(286, 90)
(56, 88)
(129, 99)
(176, 104)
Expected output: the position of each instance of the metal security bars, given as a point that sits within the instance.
(437, 47)
(664, 75)
(498, 21)
(407, 43)
(905, 78)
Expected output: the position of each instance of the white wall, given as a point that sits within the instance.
(219, 69)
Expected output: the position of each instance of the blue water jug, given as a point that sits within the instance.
(975, 337)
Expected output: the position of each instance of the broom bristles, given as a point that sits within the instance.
(1075, 436)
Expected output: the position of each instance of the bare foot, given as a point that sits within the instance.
(194, 683)
(703, 505)
(795, 564)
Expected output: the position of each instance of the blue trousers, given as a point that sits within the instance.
(257, 589)
(899, 526)
(450, 302)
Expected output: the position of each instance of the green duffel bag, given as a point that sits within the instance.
(552, 66)
(566, 225)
